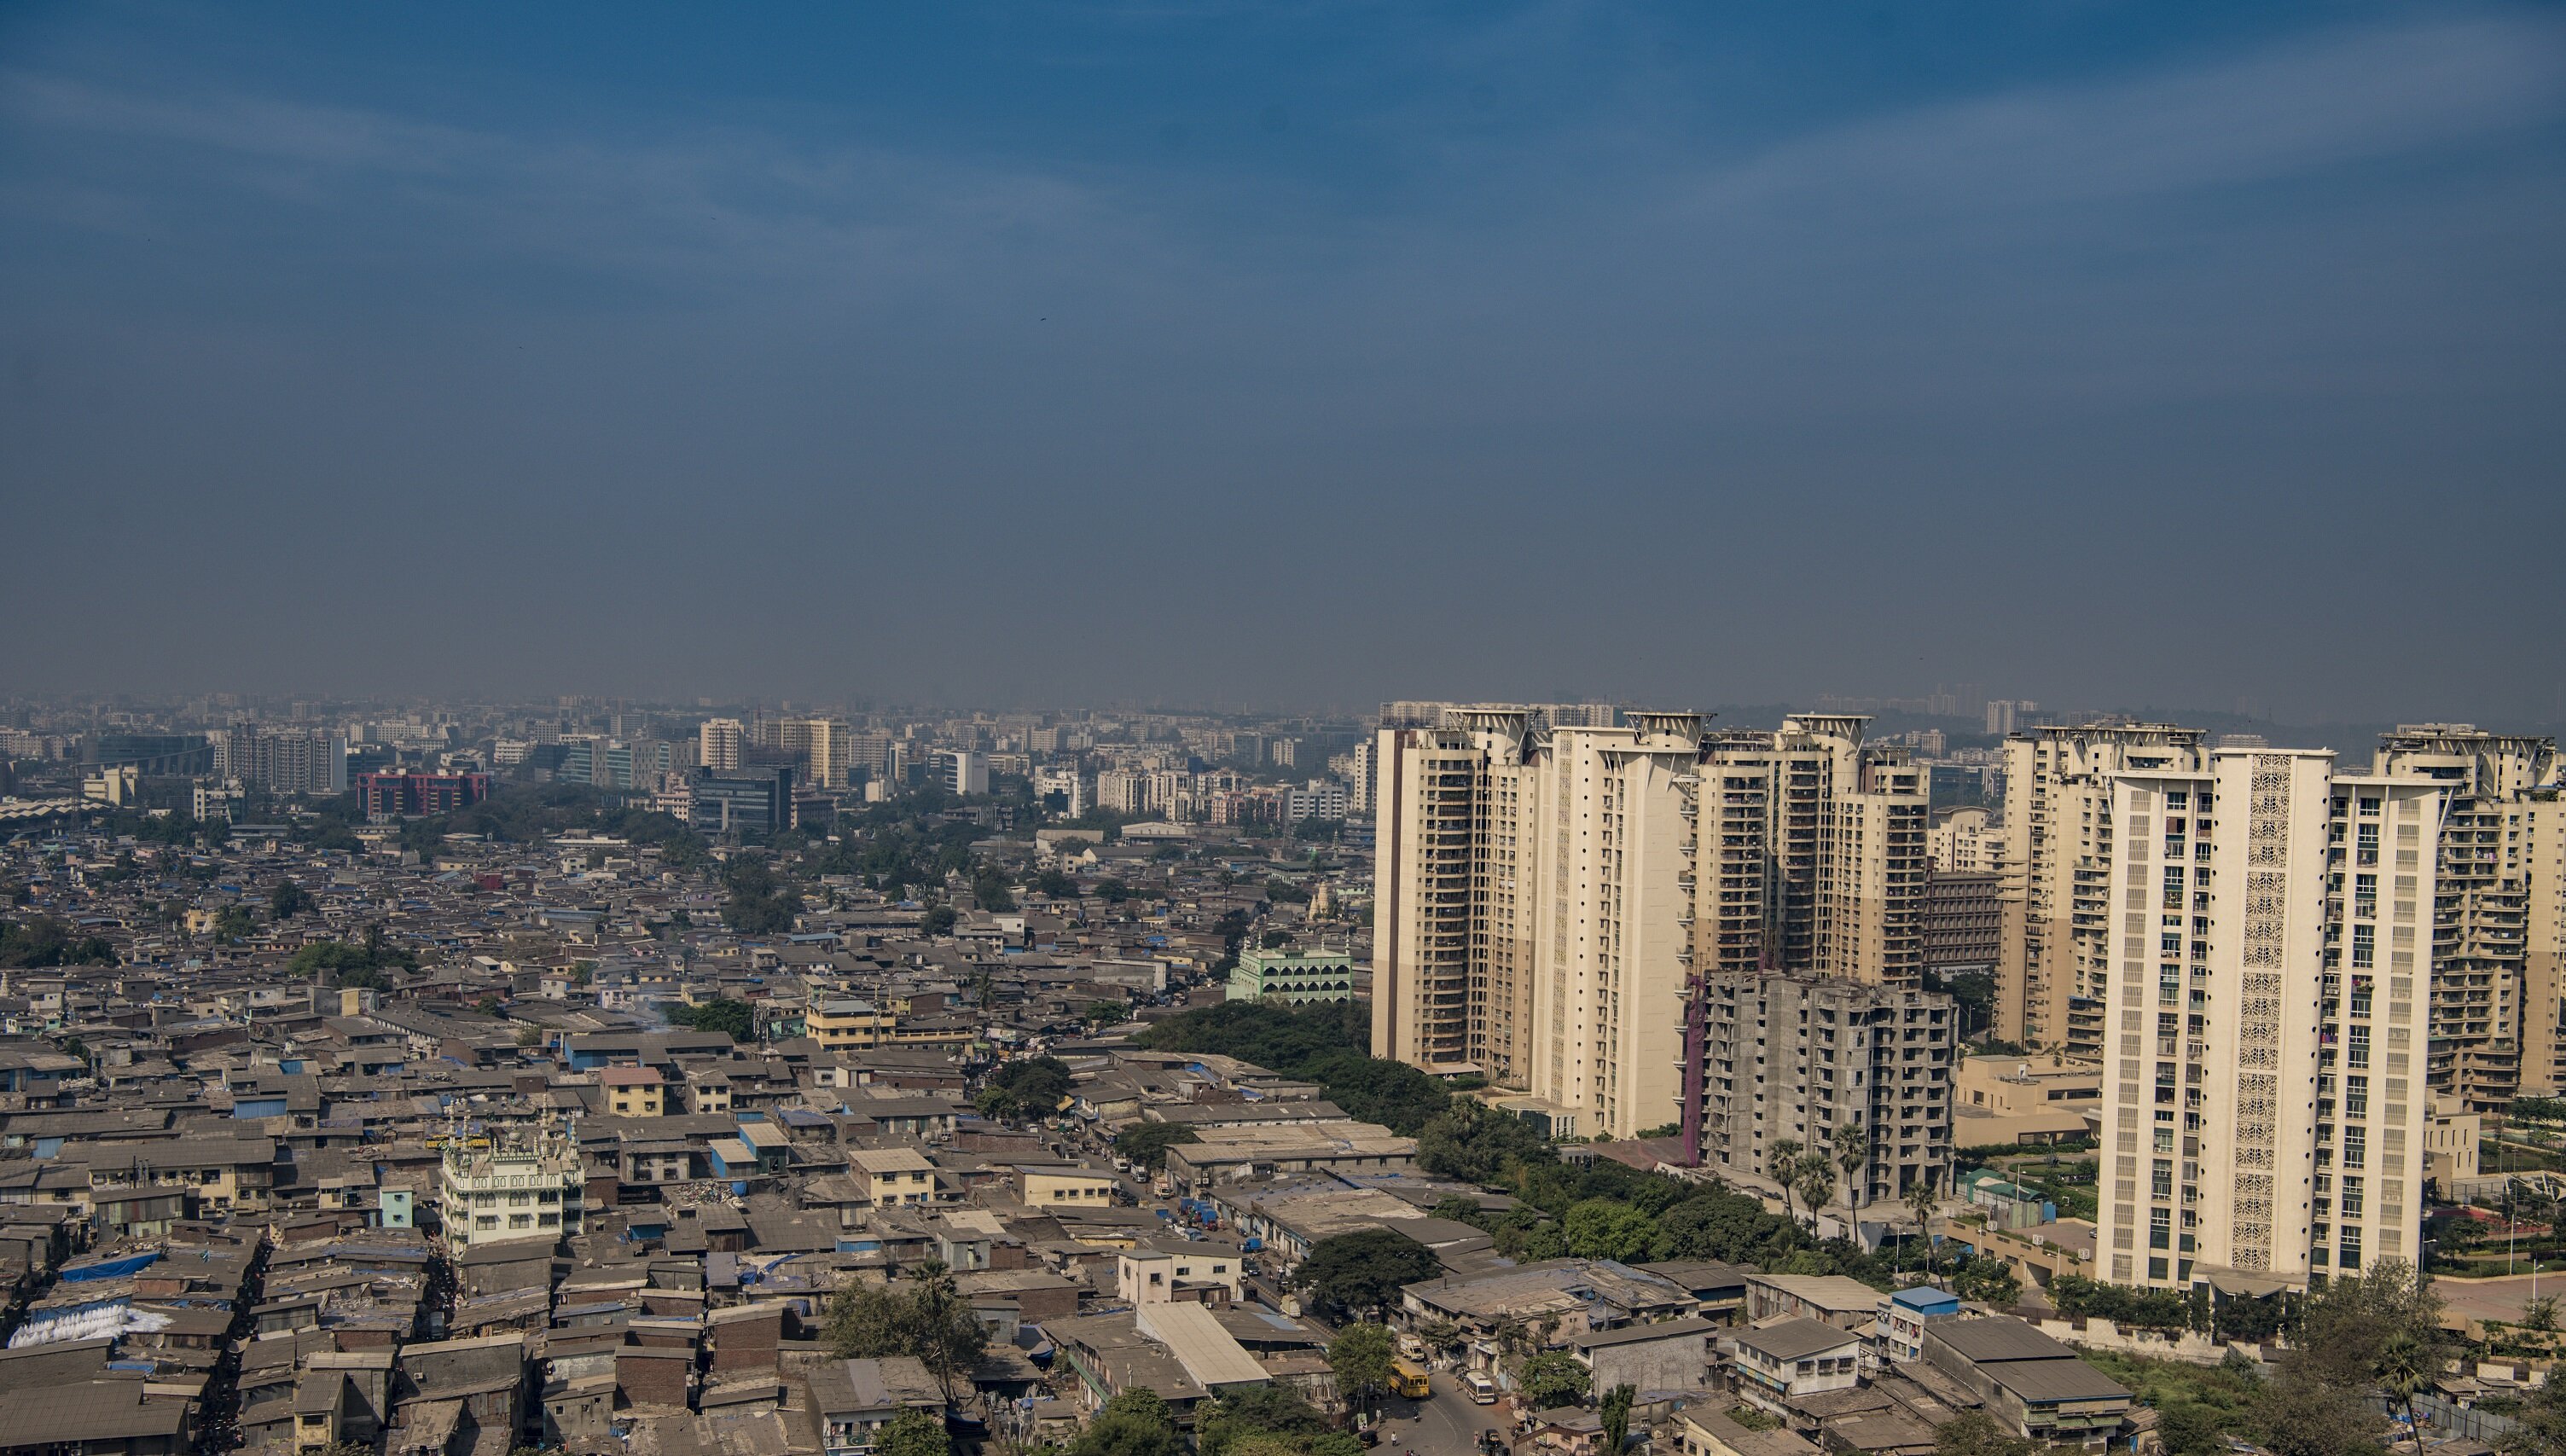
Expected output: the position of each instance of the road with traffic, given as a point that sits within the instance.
(1446, 1424)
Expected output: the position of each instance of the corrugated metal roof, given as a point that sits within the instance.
(1196, 1340)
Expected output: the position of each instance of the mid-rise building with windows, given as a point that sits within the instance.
(962, 770)
(2268, 932)
(754, 802)
(526, 1185)
(1295, 977)
(1796, 1058)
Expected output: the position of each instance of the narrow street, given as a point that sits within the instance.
(1449, 1424)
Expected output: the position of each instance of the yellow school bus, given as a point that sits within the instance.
(1408, 1379)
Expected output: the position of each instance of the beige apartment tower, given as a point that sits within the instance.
(1547, 893)
(1528, 914)
(2268, 933)
(2493, 994)
(2053, 970)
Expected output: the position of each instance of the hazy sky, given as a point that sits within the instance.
(2098, 353)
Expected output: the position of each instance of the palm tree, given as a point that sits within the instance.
(1920, 1202)
(1782, 1162)
(1852, 1152)
(2405, 1366)
(1816, 1179)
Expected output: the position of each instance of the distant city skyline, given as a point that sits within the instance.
(1889, 711)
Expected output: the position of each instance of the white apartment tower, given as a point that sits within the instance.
(1362, 771)
(2543, 1050)
(1611, 896)
(2269, 937)
(718, 744)
(1451, 900)
(831, 747)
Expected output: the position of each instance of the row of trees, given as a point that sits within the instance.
(1028, 1089)
(734, 1019)
(44, 940)
(367, 963)
(2172, 1310)
(1606, 1210)
(1330, 1044)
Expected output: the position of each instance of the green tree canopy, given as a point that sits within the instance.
(1274, 1411)
(1600, 1228)
(1134, 1423)
(926, 1316)
(47, 941)
(759, 903)
(337, 959)
(1363, 1271)
(736, 1020)
(1976, 1433)
(1360, 1359)
(1552, 1378)
(1147, 1143)
(913, 1432)
(1616, 1410)
(1031, 1088)
(1987, 1281)
(1477, 1143)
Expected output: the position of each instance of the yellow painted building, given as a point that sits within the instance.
(1060, 1185)
(895, 1176)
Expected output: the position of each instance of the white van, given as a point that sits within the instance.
(1483, 1391)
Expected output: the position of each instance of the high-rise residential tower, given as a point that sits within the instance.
(2267, 931)
(2054, 968)
(1546, 893)
(1531, 906)
(718, 745)
(2486, 999)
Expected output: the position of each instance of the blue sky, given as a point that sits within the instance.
(2113, 354)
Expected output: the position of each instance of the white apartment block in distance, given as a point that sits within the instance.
(2269, 924)
(962, 770)
(719, 743)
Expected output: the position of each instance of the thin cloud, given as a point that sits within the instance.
(2304, 107)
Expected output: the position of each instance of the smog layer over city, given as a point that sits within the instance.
(1206, 729)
